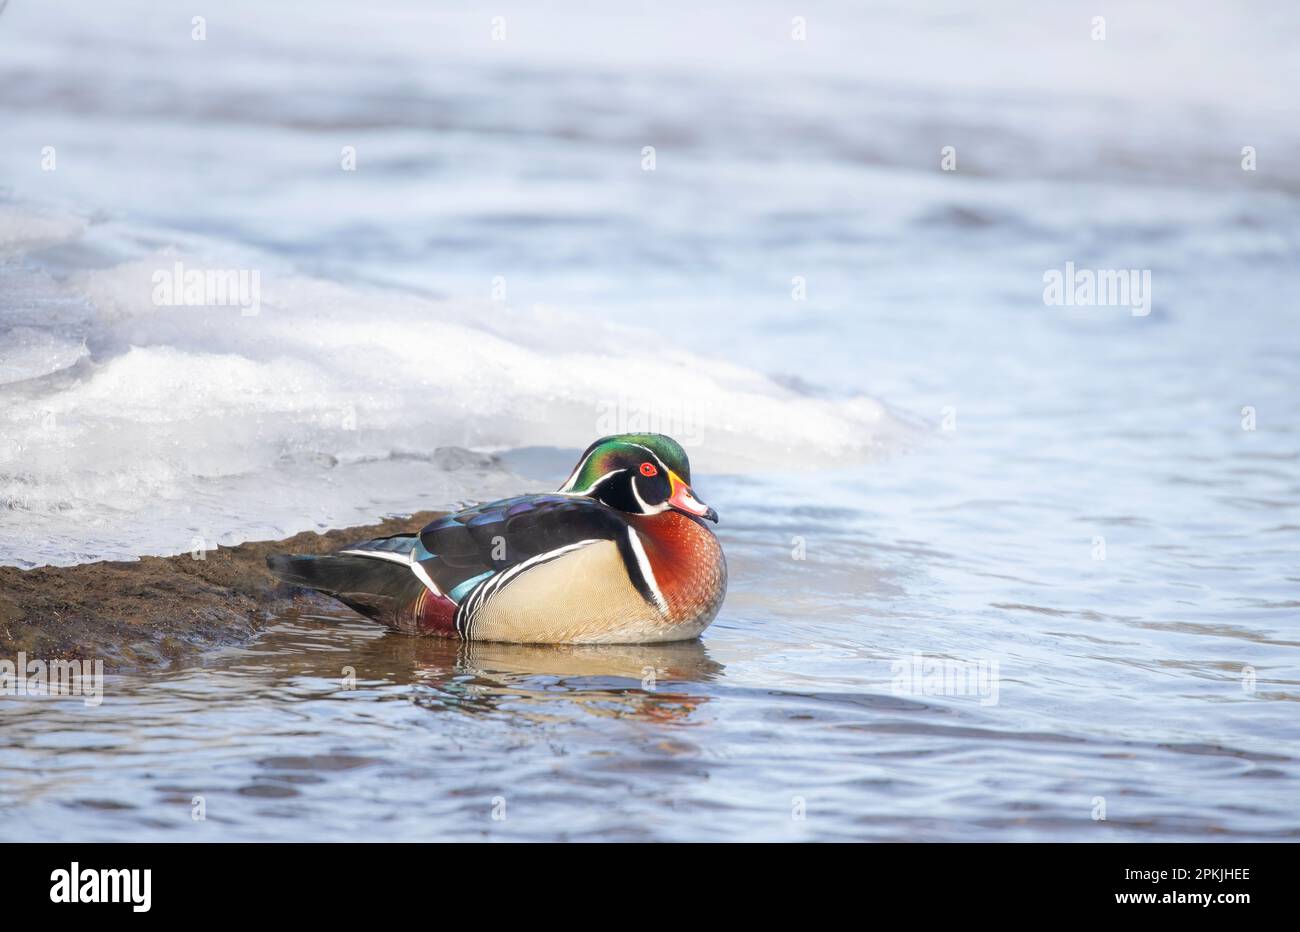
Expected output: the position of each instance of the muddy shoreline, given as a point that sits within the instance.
(157, 610)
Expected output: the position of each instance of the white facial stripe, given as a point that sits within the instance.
(595, 485)
(573, 476)
(577, 470)
(653, 454)
(647, 573)
(647, 509)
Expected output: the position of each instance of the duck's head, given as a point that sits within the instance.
(642, 474)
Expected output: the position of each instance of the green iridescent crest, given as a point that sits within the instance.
(628, 451)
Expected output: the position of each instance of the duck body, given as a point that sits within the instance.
(563, 567)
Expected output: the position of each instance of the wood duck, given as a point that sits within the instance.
(620, 554)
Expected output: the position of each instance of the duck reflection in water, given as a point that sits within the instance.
(641, 681)
(657, 682)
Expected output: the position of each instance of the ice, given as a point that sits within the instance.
(129, 427)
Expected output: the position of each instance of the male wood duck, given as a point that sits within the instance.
(620, 554)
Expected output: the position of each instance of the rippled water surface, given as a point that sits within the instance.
(919, 465)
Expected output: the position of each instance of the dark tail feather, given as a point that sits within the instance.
(377, 588)
(331, 573)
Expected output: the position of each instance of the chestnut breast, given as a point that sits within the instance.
(689, 568)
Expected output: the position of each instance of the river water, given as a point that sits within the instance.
(1000, 569)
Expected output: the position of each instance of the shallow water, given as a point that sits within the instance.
(1062, 503)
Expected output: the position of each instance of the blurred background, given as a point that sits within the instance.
(513, 227)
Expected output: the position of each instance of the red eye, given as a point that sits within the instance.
(648, 469)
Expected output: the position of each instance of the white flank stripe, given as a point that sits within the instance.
(643, 561)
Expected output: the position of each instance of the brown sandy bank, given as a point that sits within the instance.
(157, 610)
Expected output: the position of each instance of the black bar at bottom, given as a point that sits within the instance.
(232, 881)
